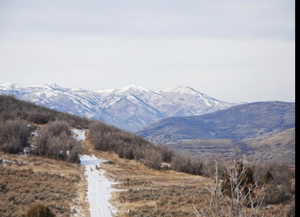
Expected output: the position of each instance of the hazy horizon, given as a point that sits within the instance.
(234, 51)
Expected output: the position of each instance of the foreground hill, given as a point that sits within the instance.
(236, 123)
(131, 108)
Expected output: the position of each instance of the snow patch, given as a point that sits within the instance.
(78, 134)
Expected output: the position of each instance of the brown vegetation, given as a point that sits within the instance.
(39, 211)
(147, 192)
(127, 145)
(25, 181)
(55, 140)
(14, 135)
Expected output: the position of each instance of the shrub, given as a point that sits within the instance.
(55, 140)
(153, 158)
(166, 153)
(14, 135)
(238, 182)
(276, 175)
(275, 194)
(186, 164)
(40, 117)
(39, 211)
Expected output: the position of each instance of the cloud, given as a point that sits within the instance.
(235, 50)
(224, 19)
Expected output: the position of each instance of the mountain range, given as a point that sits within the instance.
(260, 130)
(131, 108)
(238, 122)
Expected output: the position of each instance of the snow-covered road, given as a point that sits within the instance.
(99, 187)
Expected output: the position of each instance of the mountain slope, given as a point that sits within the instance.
(131, 108)
(278, 147)
(236, 123)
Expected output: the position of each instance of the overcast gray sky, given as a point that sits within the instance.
(234, 50)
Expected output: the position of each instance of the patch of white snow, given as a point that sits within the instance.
(79, 135)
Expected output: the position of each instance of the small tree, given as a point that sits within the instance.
(229, 198)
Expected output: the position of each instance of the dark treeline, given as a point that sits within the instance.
(14, 109)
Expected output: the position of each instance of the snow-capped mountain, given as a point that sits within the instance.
(131, 108)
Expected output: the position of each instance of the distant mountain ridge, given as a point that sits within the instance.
(260, 131)
(131, 108)
(236, 123)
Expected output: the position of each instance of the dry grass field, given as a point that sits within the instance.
(144, 192)
(140, 191)
(25, 181)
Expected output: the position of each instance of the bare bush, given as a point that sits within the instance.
(14, 135)
(276, 194)
(153, 158)
(166, 153)
(187, 164)
(238, 195)
(55, 140)
(240, 179)
(278, 182)
(56, 128)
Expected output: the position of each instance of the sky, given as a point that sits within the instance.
(233, 50)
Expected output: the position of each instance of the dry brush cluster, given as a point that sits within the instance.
(15, 135)
(127, 145)
(245, 191)
(55, 140)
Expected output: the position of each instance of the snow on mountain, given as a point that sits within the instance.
(131, 108)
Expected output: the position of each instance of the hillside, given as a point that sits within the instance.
(130, 165)
(46, 131)
(131, 108)
(236, 123)
(274, 147)
(40, 152)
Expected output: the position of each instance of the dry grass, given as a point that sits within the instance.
(166, 193)
(144, 192)
(151, 192)
(31, 180)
